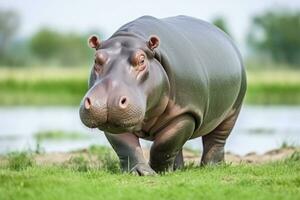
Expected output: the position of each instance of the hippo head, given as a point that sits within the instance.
(120, 95)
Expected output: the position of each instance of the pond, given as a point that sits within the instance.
(258, 129)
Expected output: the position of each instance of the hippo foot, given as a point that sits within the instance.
(142, 169)
(167, 165)
(213, 156)
(162, 167)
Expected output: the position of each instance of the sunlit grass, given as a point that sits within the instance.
(38, 86)
(43, 73)
(278, 180)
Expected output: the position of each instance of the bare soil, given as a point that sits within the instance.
(189, 156)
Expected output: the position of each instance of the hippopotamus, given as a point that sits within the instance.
(168, 81)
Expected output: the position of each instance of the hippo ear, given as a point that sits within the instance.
(153, 42)
(94, 41)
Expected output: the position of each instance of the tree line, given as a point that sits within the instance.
(274, 34)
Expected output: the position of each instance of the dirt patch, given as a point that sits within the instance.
(253, 158)
(189, 156)
(273, 155)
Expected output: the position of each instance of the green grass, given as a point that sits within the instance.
(36, 86)
(106, 160)
(279, 180)
(60, 86)
(273, 87)
(59, 135)
(19, 160)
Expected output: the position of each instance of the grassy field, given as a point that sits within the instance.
(277, 180)
(38, 86)
(59, 135)
(273, 87)
(66, 86)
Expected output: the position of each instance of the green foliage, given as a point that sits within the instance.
(46, 43)
(20, 160)
(276, 33)
(221, 23)
(65, 49)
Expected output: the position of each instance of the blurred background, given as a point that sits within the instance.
(45, 62)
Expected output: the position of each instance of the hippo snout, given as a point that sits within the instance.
(111, 108)
(93, 111)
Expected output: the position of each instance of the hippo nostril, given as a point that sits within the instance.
(87, 103)
(123, 103)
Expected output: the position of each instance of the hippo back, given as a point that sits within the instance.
(203, 66)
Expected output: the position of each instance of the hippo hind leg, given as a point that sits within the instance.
(214, 142)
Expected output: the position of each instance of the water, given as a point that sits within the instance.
(258, 129)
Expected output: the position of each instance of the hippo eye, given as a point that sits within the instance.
(141, 60)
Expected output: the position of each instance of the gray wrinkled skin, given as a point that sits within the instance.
(165, 80)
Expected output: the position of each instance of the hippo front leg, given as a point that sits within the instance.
(169, 142)
(130, 153)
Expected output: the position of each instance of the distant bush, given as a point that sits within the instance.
(275, 33)
(63, 49)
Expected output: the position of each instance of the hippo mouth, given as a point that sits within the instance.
(120, 128)
(112, 125)
(120, 122)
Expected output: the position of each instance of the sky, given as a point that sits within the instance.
(107, 16)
